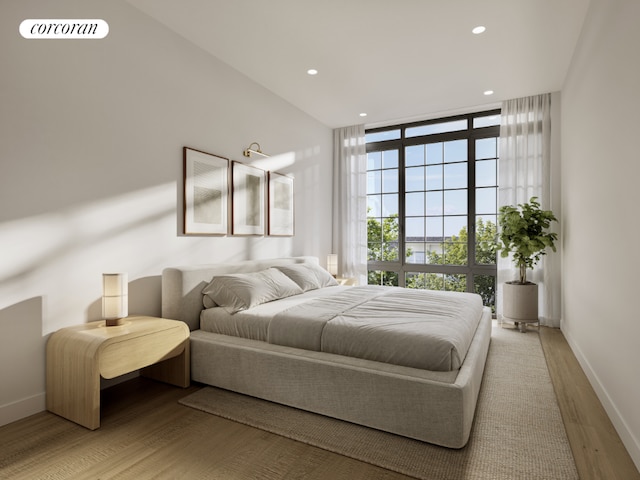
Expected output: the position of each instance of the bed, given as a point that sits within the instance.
(282, 331)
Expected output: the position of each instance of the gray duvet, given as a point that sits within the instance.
(415, 328)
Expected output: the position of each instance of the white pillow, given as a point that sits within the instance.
(308, 276)
(241, 291)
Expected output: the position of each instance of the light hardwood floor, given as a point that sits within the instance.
(597, 448)
(145, 433)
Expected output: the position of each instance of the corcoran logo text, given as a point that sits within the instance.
(64, 28)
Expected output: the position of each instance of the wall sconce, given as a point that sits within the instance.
(248, 151)
(115, 298)
(332, 264)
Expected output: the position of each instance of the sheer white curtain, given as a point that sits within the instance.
(525, 172)
(350, 202)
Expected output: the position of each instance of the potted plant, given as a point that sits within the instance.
(524, 233)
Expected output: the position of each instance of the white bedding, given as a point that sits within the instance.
(415, 328)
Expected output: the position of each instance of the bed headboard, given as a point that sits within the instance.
(182, 286)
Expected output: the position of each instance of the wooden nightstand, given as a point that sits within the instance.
(77, 356)
(350, 281)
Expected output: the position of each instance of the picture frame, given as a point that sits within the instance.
(206, 193)
(280, 205)
(248, 199)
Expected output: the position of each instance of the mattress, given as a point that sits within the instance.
(414, 328)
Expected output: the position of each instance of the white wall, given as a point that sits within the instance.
(91, 137)
(601, 195)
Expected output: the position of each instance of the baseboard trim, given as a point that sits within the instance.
(22, 408)
(25, 407)
(630, 442)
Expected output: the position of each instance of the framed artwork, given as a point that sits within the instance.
(280, 205)
(248, 197)
(206, 192)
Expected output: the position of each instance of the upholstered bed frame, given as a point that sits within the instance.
(435, 407)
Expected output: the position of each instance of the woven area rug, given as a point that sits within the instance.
(517, 432)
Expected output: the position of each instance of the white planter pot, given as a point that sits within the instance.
(520, 304)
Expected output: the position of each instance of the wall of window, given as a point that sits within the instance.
(432, 204)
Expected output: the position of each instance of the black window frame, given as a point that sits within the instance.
(471, 134)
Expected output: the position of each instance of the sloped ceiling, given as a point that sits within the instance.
(394, 60)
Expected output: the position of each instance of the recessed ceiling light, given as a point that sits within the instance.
(479, 29)
(363, 114)
(312, 71)
(488, 92)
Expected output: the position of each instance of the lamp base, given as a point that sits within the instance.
(114, 322)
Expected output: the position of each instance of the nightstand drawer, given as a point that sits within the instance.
(120, 357)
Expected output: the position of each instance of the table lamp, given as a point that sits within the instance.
(115, 298)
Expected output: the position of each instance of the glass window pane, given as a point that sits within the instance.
(434, 177)
(455, 253)
(415, 252)
(434, 203)
(414, 242)
(455, 202)
(434, 229)
(390, 279)
(435, 153)
(374, 238)
(414, 155)
(390, 180)
(390, 205)
(414, 179)
(455, 151)
(390, 251)
(485, 286)
(486, 199)
(382, 136)
(487, 221)
(414, 227)
(486, 148)
(413, 280)
(486, 232)
(389, 239)
(424, 281)
(376, 277)
(374, 251)
(433, 253)
(442, 127)
(390, 229)
(486, 173)
(454, 225)
(414, 204)
(374, 160)
(455, 175)
(390, 159)
(487, 121)
(374, 230)
(374, 207)
(374, 182)
(455, 283)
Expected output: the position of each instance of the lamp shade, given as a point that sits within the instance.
(115, 297)
(332, 264)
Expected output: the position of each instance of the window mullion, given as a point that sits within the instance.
(471, 209)
(401, 216)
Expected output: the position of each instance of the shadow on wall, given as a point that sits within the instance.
(59, 235)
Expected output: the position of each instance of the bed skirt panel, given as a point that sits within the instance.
(435, 407)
